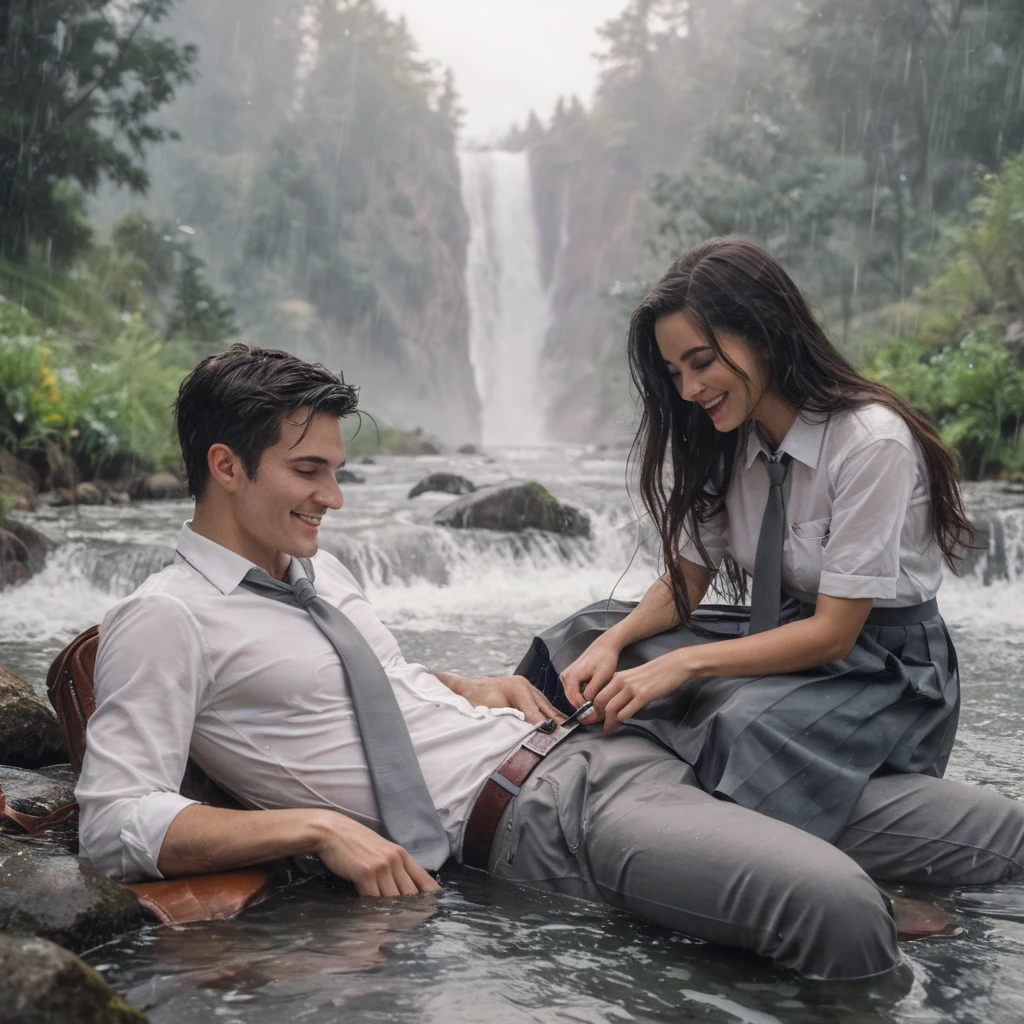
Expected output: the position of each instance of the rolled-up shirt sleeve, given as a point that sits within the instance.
(874, 486)
(152, 673)
(712, 536)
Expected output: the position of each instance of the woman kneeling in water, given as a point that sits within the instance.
(831, 703)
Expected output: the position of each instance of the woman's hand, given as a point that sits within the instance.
(627, 692)
(591, 670)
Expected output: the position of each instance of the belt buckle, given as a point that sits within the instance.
(541, 743)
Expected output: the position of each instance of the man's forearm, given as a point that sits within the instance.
(202, 839)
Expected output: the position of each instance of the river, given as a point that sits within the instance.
(471, 601)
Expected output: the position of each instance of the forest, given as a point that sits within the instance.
(174, 174)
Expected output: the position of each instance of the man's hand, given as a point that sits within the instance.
(503, 692)
(373, 864)
(202, 839)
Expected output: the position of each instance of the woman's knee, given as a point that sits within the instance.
(916, 828)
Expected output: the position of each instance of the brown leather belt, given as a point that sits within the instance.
(501, 786)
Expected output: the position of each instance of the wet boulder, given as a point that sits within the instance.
(19, 482)
(60, 498)
(37, 545)
(46, 892)
(346, 476)
(445, 483)
(40, 982)
(468, 449)
(37, 792)
(22, 552)
(88, 493)
(30, 735)
(514, 507)
(157, 487)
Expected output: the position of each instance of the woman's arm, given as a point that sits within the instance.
(828, 635)
(655, 613)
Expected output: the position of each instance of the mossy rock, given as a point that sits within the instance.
(514, 507)
(41, 983)
(30, 735)
(48, 893)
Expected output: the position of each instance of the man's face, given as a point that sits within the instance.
(278, 512)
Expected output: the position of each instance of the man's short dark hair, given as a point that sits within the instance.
(240, 397)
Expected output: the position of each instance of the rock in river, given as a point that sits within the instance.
(48, 893)
(40, 982)
(446, 483)
(514, 507)
(30, 735)
(37, 793)
(22, 552)
(157, 487)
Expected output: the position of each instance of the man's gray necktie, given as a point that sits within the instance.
(765, 599)
(406, 809)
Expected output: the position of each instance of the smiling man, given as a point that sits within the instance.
(258, 655)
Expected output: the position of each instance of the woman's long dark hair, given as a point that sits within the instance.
(731, 284)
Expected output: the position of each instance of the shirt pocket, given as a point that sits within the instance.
(804, 552)
(816, 529)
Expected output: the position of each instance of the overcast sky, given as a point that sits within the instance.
(510, 57)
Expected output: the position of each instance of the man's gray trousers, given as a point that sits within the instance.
(619, 819)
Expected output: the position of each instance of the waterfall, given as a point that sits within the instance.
(509, 306)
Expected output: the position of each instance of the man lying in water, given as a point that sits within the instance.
(260, 657)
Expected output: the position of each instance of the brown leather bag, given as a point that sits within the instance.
(69, 685)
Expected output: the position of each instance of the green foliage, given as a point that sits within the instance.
(33, 412)
(122, 405)
(95, 380)
(983, 250)
(198, 313)
(973, 390)
(368, 436)
(961, 368)
(79, 84)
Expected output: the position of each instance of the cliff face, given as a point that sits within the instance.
(317, 174)
(409, 349)
(586, 202)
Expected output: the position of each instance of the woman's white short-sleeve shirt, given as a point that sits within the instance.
(857, 510)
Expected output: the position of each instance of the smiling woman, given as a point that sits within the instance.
(831, 702)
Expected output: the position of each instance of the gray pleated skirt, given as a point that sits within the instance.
(798, 747)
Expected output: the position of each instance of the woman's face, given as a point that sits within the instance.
(701, 376)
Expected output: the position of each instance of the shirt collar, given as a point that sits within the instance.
(803, 442)
(222, 567)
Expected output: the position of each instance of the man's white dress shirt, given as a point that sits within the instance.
(857, 510)
(193, 665)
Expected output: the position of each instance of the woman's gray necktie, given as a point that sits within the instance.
(403, 801)
(765, 599)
